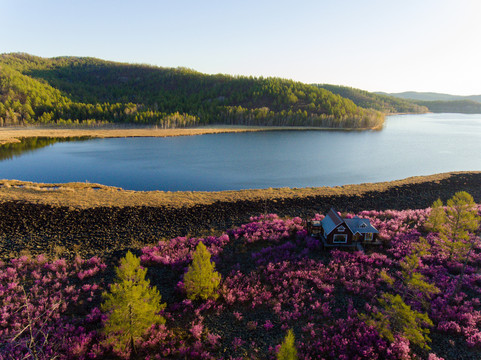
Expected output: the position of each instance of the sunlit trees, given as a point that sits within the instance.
(201, 280)
(414, 284)
(163, 97)
(287, 350)
(455, 224)
(437, 217)
(395, 318)
(132, 305)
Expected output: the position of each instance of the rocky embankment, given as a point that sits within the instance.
(108, 231)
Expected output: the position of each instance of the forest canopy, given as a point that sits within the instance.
(89, 91)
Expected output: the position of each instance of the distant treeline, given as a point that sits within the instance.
(88, 91)
(439, 103)
(452, 106)
(383, 103)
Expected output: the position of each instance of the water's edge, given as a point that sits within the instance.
(109, 230)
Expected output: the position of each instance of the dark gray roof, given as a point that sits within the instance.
(331, 221)
(356, 224)
(361, 226)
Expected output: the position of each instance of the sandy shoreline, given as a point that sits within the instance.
(13, 134)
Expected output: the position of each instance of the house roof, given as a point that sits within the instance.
(331, 221)
(355, 225)
(361, 226)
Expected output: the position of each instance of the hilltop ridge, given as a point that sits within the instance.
(72, 90)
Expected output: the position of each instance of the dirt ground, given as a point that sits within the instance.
(89, 219)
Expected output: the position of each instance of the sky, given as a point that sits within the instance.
(385, 45)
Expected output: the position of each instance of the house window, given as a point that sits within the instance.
(363, 225)
(339, 239)
(368, 236)
(341, 228)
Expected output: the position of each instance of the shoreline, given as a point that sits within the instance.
(13, 135)
(63, 220)
(81, 195)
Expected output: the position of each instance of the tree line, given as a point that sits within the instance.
(383, 103)
(72, 90)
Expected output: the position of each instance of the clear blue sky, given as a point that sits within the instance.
(386, 45)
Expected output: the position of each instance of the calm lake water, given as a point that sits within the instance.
(408, 145)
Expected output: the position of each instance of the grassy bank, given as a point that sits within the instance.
(87, 195)
(15, 134)
(89, 219)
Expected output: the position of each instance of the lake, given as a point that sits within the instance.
(409, 145)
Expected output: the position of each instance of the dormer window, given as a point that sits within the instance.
(363, 225)
(341, 228)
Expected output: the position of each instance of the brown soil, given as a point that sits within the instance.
(95, 220)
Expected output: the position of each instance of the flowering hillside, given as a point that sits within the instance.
(339, 304)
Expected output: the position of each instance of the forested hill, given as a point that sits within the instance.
(431, 96)
(385, 103)
(70, 90)
(441, 103)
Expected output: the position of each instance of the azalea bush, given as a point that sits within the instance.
(335, 302)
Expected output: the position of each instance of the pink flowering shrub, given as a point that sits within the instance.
(290, 283)
(268, 227)
(38, 299)
(178, 252)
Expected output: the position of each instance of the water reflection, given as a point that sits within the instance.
(11, 150)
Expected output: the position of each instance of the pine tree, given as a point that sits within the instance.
(288, 349)
(415, 283)
(437, 217)
(461, 218)
(455, 224)
(395, 317)
(132, 305)
(201, 280)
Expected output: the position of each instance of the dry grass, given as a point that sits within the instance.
(12, 135)
(87, 195)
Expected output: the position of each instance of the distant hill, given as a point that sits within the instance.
(454, 106)
(385, 103)
(439, 103)
(76, 90)
(431, 96)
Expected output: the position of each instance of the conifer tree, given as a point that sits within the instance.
(455, 224)
(437, 217)
(288, 349)
(461, 220)
(395, 317)
(201, 280)
(414, 281)
(132, 305)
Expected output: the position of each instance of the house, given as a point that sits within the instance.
(334, 231)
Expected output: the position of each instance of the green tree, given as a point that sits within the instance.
(437, 217)
(288, 349)
(461, 217)
(460, 221)
(201, 280)
(395, 317)
(132, 305)
(414, 282)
